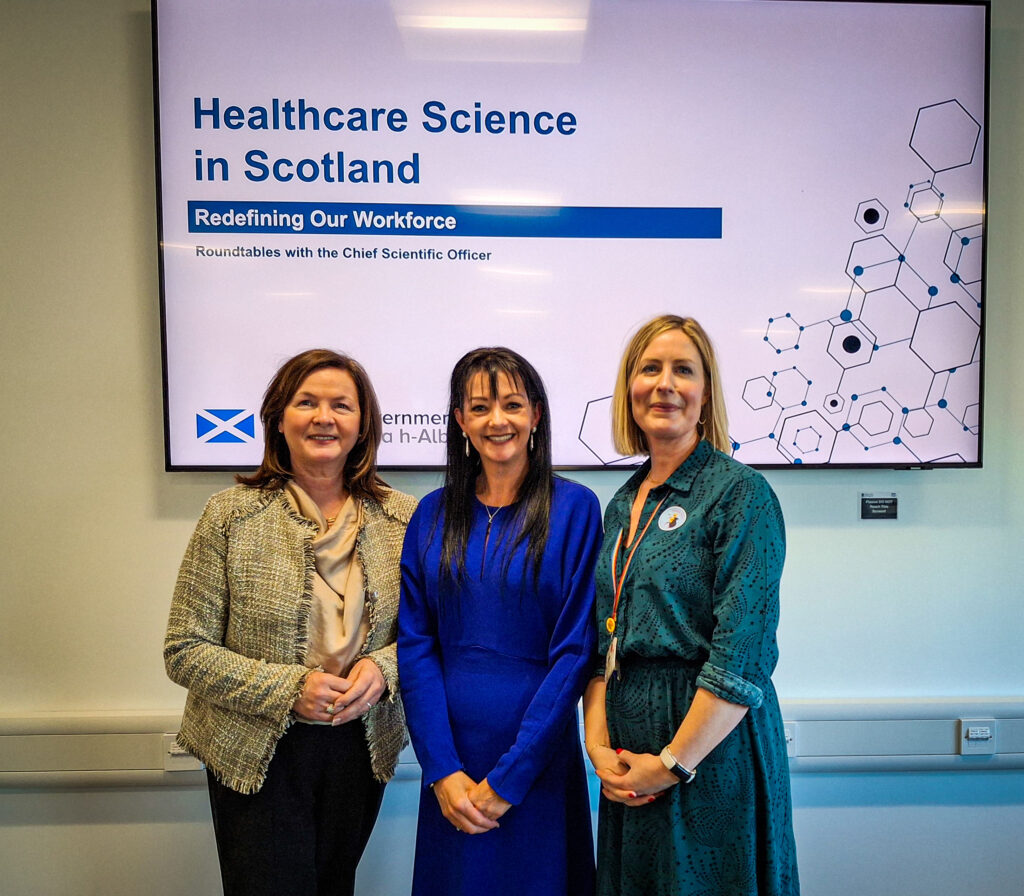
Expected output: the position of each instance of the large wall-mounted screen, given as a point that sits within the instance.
(407, 180)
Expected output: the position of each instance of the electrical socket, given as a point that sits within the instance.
(177, 758)
(789, 728)
(977, 737)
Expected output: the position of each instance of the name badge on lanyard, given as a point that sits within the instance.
(611, 662)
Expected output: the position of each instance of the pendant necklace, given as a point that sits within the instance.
(487, 535)
(490, 519)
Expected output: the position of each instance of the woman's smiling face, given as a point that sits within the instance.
(498, 425)
(668, 390)
(321, 422)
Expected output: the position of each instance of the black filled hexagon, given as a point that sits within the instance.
(834, 403)
(871, 216)
(851, 344)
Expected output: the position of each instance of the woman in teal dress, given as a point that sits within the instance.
(683, 727)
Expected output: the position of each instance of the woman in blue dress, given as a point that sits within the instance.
(495, 644)
(684, 727)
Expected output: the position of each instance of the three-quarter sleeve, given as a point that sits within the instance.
(749, 546)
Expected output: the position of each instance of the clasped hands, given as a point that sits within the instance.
(329, 698)
(474, 808)
(633, 779)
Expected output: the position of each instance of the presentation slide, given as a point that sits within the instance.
(405, 181)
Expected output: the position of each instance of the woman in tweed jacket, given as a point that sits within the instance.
(285, 611)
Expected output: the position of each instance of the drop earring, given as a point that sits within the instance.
(466, 437)
(532, 431)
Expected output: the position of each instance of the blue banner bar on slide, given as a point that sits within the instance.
(369, 219)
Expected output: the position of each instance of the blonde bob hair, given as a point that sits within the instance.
(629, 438)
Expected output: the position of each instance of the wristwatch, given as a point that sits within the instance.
(680, 771)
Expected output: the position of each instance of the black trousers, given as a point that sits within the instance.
(304, 831)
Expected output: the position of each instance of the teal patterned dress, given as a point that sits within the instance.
(699, 609)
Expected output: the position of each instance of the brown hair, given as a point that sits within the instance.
(360, 471)
(629, 438)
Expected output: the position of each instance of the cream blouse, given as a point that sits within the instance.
(337, 623)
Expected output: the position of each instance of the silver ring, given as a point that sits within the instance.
(369, 706)
(330, 709)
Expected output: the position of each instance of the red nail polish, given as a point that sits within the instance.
(650, 799)
(632, 794)
(618, 750)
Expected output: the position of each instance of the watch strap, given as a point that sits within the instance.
(672, 764)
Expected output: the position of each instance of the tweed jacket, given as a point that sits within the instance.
(236, 637)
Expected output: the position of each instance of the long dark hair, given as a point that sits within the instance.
(360, 471)
(534, 498)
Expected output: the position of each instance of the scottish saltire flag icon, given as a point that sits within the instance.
(225, 425)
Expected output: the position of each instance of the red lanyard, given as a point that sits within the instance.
(617, 583)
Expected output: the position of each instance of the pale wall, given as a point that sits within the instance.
(94, 529)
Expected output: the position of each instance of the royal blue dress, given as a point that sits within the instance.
(491, 673)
